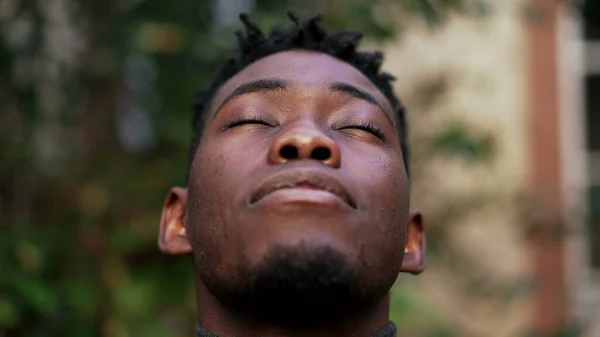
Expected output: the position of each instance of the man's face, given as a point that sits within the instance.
(299, 171)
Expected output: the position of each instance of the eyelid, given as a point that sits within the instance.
(364, 126)
(248, 120)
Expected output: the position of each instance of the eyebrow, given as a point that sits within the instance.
(274, 84)
(263, 85)
(356, 92)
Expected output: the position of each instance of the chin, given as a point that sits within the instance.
(299, 285)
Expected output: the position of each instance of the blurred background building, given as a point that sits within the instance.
(524, 223)
(503, 98)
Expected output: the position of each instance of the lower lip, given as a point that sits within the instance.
(303, 195)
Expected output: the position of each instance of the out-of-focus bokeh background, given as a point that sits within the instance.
(503, 99)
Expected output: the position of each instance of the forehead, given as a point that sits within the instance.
(303, 69)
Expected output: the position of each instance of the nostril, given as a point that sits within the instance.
(320, 153)
(288, 152)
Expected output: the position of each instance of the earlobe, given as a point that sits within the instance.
(172, 237)
(414, 251)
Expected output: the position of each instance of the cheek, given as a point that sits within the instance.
(385, 184)
(393, 196)
(217, 183)
(210, 189)
(387, 204)
(214, 172)
(207, 188)
(206, 173)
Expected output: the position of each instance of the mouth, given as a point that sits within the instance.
(306, 180)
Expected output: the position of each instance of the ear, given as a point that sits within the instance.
(172, 236)
(414, 251)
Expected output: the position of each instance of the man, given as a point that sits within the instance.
(296, 210)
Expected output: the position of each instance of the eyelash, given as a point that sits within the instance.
(243, 121)
(365, 126)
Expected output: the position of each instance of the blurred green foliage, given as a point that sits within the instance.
(457, 140)
(94, 128)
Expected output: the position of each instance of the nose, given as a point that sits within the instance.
(305, 142)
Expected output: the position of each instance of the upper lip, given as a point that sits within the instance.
(294, 177)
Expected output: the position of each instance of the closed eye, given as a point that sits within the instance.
(367, 127)
(244, 121)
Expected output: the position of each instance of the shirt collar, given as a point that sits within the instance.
(388, 331)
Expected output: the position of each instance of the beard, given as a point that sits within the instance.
(298, 286)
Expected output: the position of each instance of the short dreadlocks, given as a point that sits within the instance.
(306, 34)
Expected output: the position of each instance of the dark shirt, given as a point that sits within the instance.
(388, 331)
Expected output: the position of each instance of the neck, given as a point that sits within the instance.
(225, 322)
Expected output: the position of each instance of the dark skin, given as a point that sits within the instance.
(297, 206)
